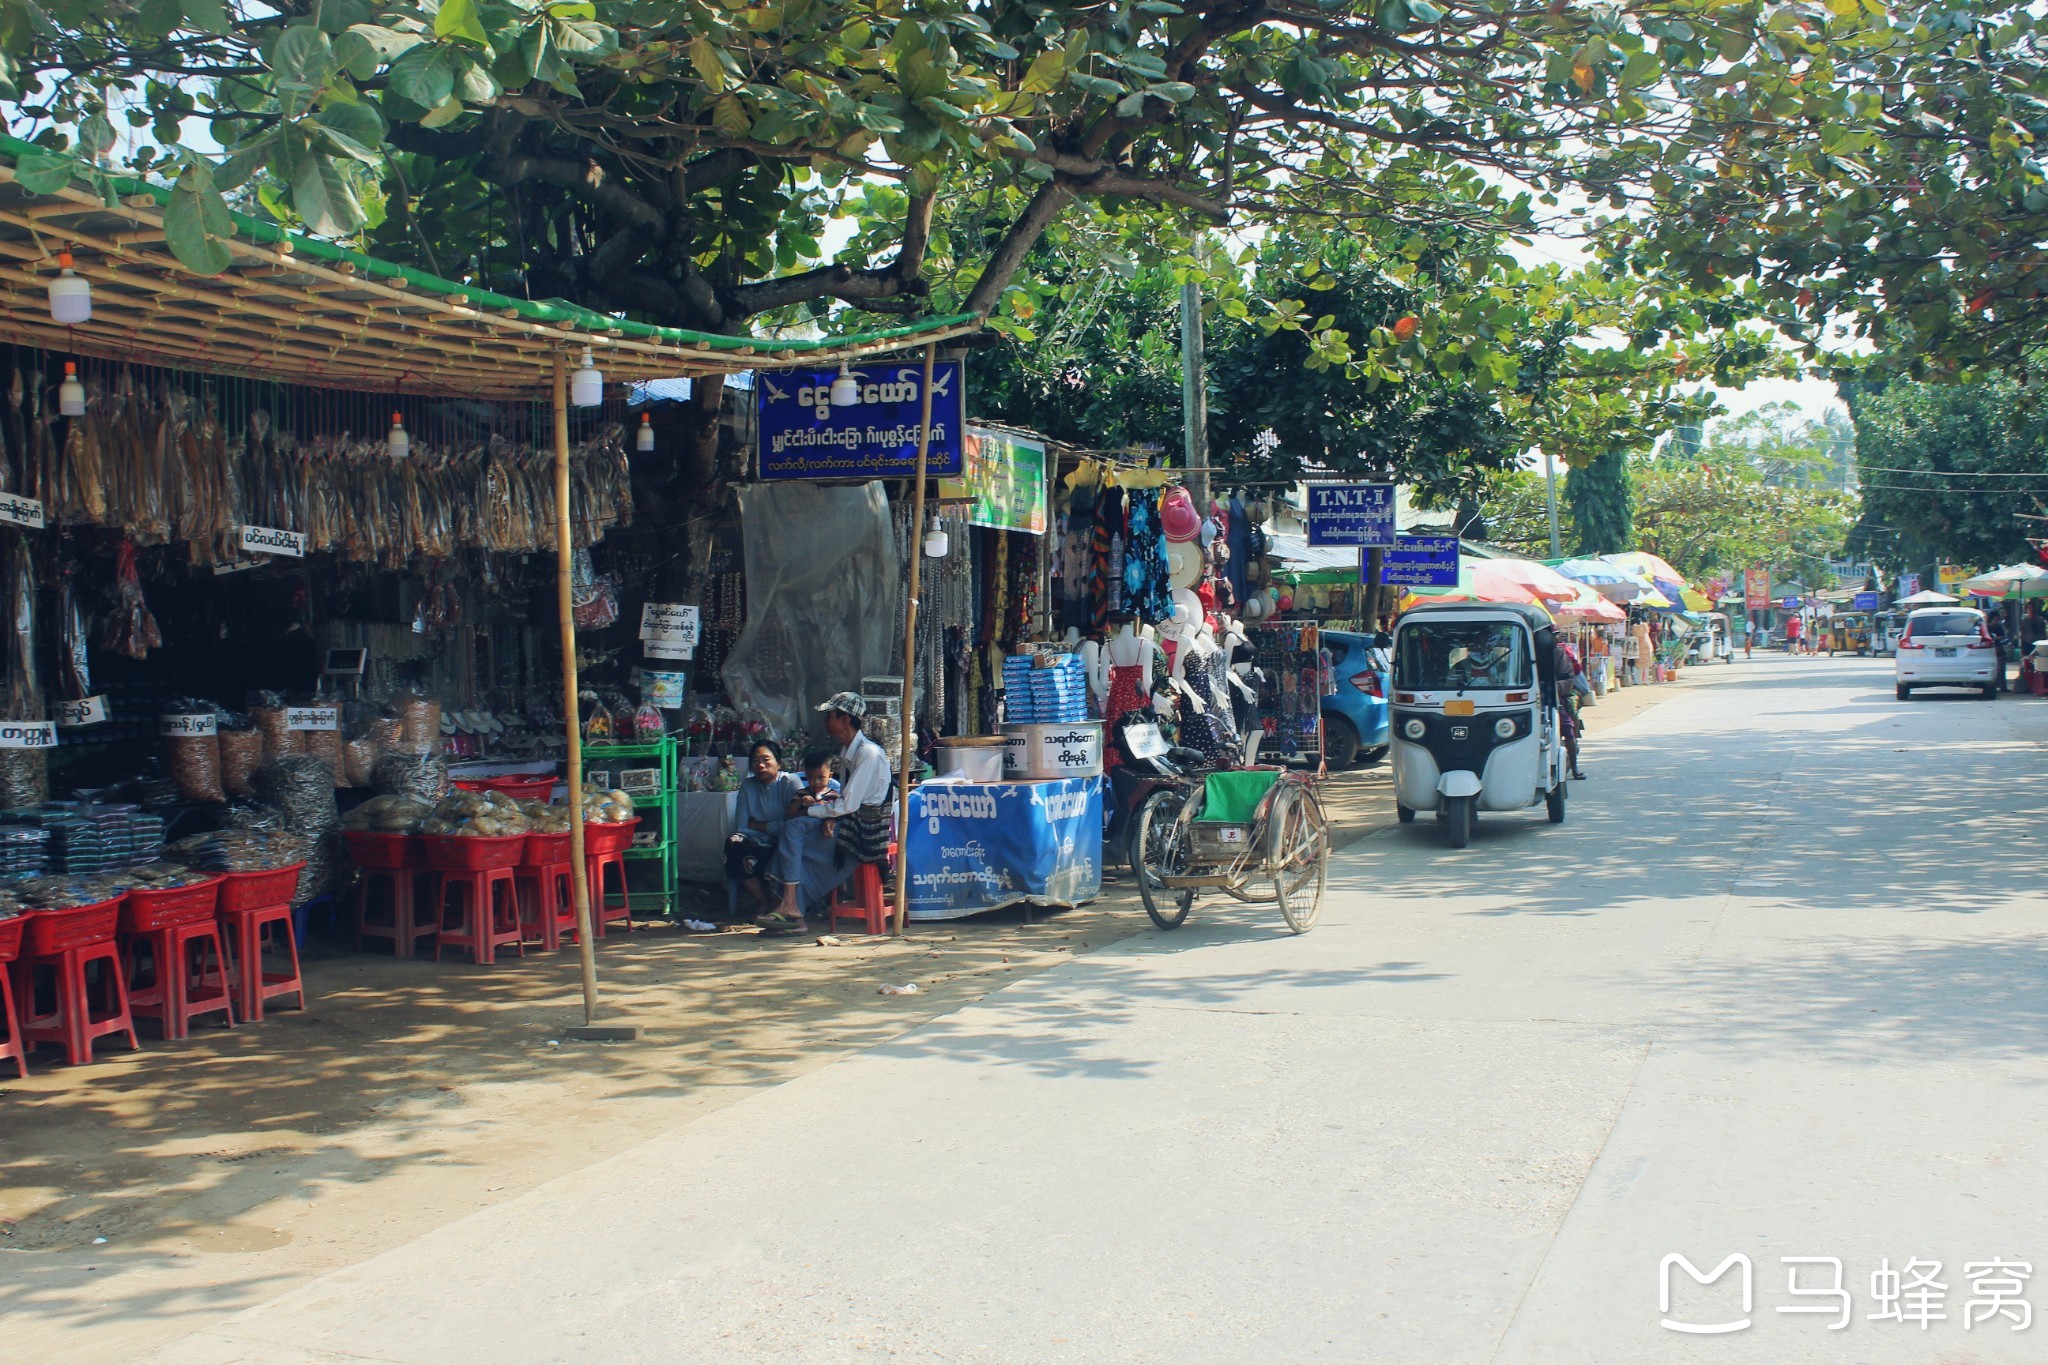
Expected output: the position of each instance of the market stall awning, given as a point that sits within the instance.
(1301, 562)
(1589, 607)
(300, 308)
(2012, 580)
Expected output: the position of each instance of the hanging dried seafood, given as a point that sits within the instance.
(74, 677)
(24, 773)
(130, 628)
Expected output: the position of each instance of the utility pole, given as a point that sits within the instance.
(1194, 395)
(1550, 502)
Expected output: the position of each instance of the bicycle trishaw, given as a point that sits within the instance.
(1256, 834)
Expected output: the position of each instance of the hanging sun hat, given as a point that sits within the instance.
(1177, 515)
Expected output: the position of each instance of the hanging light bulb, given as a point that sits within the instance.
(643, 439)
(398, 445)
(71, 393)
(936, 542)
(845, 389)
(586, 386)
(70, 294)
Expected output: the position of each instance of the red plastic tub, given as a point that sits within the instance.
(373, 851)
(472, 852)
(544, 849)
(599, 838)
(518, 787)
(146, 910)
(54, 931)
(10, 936)
(259, 890)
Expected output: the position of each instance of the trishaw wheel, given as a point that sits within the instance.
(1298, 853)
(1159, 849)
(1458, 813)
(1553, 802)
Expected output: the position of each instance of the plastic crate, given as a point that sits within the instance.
(472, 852)
(146, 910)
(615, 838)
(56, 931)
(378, 852)
(10, 936)
(543, 850)
(259, 890)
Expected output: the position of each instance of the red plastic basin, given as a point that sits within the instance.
(545, 849)
(259, 890)
(57, 931)
(472, 852)
(373, 851)
(147, 910)
(10, 936)
(599, 838)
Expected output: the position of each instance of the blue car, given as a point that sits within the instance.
(1355, 715)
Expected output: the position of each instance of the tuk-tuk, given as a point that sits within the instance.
(1475, 724)
(1885, 629)
(1709, 641)
(1852, 631)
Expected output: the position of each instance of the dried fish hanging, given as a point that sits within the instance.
(74, 675)
(24, 773)
(130, 627)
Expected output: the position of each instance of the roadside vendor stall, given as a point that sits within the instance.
(310, 424)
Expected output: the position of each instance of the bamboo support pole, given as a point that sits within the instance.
(579, 882)
(909, 720)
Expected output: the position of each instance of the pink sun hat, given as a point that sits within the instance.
(1177, 515)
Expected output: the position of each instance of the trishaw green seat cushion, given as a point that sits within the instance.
(1232, 798)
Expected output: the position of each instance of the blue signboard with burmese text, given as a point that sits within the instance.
(1359, 514)
(1420, 562)
(805, 435)
(978, 846)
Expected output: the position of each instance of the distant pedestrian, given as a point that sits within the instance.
(1795, 630)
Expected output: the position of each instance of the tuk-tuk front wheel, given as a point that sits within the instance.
(1553, 802)
(1460, 812)
(1405, 814)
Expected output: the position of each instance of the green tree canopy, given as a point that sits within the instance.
(1949, 471)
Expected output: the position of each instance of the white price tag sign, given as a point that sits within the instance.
(268, 540)
(19, 511)
(312, 718)
(669, 649)
(91, 711)
(28, 734)
(670, 621)
(195, 726)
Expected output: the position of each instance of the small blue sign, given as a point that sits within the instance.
(1864, 601)
(803, 435)
(1422, 562)
(1789, 604)
(1360, 514)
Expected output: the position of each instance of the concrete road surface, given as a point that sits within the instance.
(1777, 989)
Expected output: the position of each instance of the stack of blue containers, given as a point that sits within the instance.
(1056, 694)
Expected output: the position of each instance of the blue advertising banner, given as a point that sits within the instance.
(1789, 604)
(1351, 514)
(802, 435)
(1909, 583)
(1864, 601)
(978, 846)
(1420, 562)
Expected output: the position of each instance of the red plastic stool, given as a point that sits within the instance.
(547, 902)
(868, 904)
(68, 944)
(12, 1047)
(251, 985)
(179, 987)
(486, 912)
(602, 912)
(404, 916)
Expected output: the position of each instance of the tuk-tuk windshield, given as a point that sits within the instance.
(1445, 656)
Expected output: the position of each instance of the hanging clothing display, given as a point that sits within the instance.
(1148, 594)
(1296, 678)
(1208, 730)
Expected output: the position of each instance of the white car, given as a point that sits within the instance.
(1946, 647)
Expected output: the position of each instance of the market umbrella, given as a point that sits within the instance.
(1648, 565)
(2013, 580)
(1587, 608)
(1545, 583)
(1696, 600)
(1927, 597)
(1479, 580)
(1611, 581)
